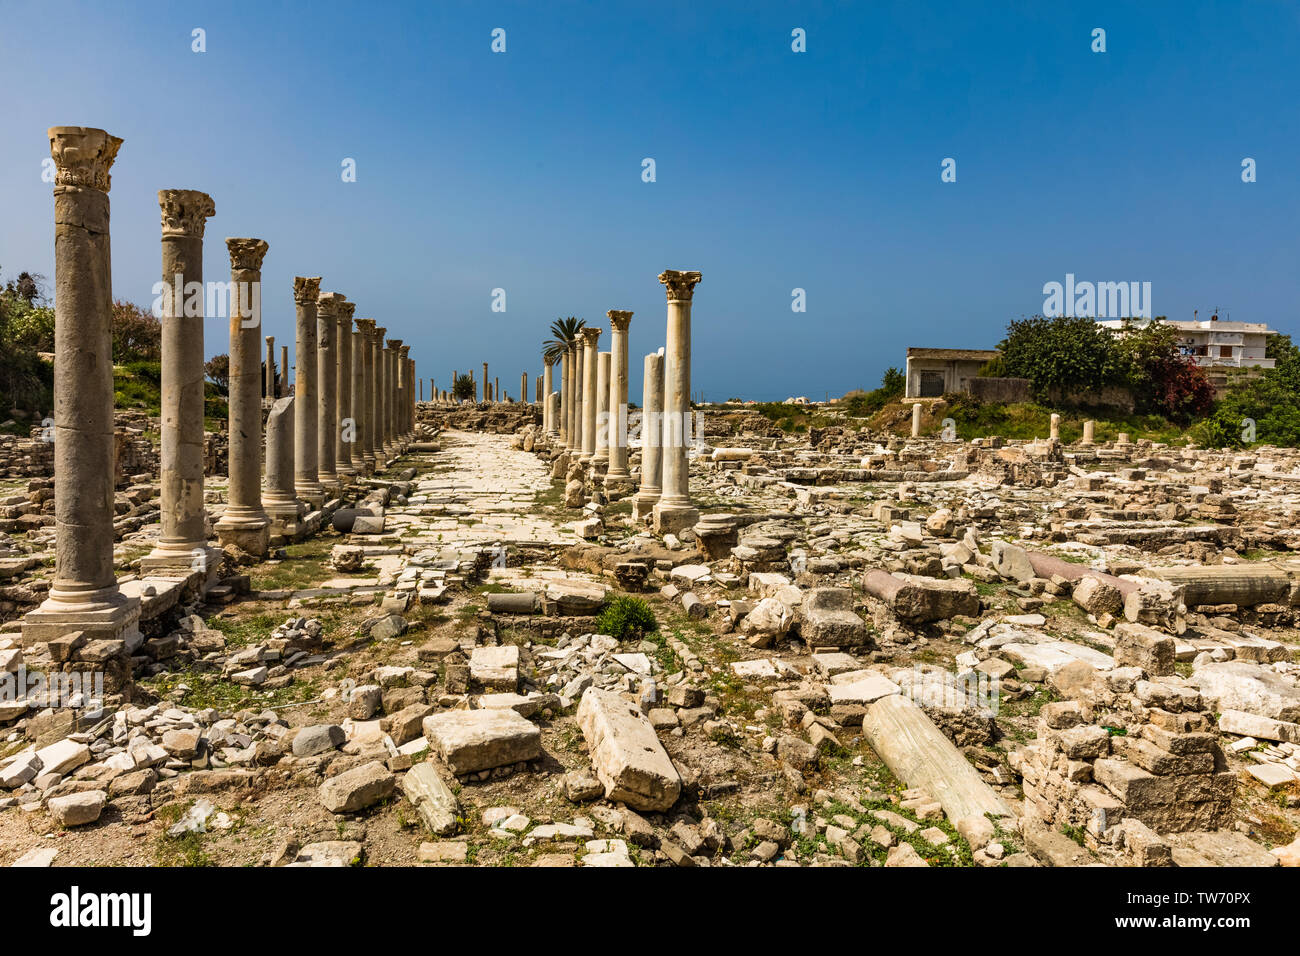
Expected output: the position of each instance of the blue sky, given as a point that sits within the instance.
(775, 170)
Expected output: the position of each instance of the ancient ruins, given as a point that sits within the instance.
(374, 622)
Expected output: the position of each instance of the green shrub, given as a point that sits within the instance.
(623, 617)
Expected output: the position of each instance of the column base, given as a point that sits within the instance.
(200, 559)
(347, 471)
(286, 518)
(618, 486)
(672, 518)
(251, 535)
(117, 617)
(643, 507)
(331, 484)
(311, 493)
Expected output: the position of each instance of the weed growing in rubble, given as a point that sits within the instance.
(623, 617)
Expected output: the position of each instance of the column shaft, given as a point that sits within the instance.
(327, 330)
(363, 453)
(244, 523)
(618, 475)
(346, 431)
(306, 454)
(652, 429)
(674, 512)
(182, 545)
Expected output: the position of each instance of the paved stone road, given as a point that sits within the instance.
(481, 493)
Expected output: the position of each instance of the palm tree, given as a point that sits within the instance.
(564, 332)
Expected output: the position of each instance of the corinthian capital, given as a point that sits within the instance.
(306, 289)
(394, 344)
(590, 336)
(365, 326)
(680, 285)
(327, 304)
(83, 156)
(346, 309)
(246, 254)
(185, 212)
(619, 320)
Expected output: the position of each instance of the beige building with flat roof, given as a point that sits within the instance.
(932, 373)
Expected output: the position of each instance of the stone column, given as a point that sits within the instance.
(410, 407)
(590, 402)
(245, 524)
(269, 384)
(1089, 432)
(652, 432)
(182, 547)
(394, 389)
(281, 499)
(1054, 429)
(386, 399)
(306, 482)
(363, 385)
(618, 480)
(377, 397)
(547, 381)
(398, 392)
(345, 434)
(600, 456)
(523, 387)
(486, 385)
(566, 397)
(674, 512)
(83, 595)
(579, 380)
(282, 386)
(916, 420)
(327, 330)
(553, 409)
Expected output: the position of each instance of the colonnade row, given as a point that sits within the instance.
(352, 411)
(587, 414)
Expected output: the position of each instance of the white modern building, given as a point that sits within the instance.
(1217, 344)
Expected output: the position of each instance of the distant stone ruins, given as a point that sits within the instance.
(575, 627)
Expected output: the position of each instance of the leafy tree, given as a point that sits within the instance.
(1271, 403)
(217, 369)
(26, 329)
(28, 287)
(564, 332)
(137, 335)
(463, 389)
(1060, 355)
(1160, 377)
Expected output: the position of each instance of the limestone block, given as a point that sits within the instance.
(357, 789)
(625, 752)
(473, 740)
